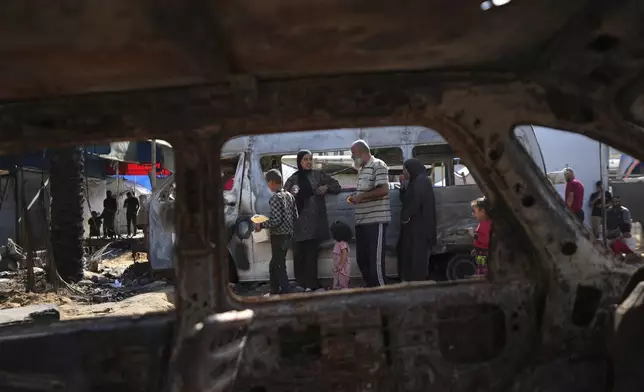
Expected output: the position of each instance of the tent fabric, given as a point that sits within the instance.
(97, 154)
(11, 209)
(96, 194)
(161, 238)
(133, 169)
(140, 152)
(624, 163)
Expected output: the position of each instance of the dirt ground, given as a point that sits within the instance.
(119, 288)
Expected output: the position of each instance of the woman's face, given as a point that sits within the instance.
(307, 162)
(406, 173)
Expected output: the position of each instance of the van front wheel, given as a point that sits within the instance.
(460, 266)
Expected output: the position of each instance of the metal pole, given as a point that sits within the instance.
(153, 177)
(603, 192)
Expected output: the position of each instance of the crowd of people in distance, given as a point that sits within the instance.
(615, 219)
(106, 218)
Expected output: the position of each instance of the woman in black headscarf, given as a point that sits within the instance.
(418, 222)
(311, 227)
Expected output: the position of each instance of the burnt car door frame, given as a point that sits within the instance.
(465, 327)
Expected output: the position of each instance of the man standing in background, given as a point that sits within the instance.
(595, 203)
(131, 206)
(574, 194)
(109, 212)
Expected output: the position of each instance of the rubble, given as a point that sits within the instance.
(29, 314)
(116, 286)
(11, 256)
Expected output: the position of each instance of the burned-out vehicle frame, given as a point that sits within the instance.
(558, 313)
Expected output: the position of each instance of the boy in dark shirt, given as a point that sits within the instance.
(595, 203)
(95, 223)
(280, 224)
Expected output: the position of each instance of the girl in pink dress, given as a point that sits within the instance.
(342, 234)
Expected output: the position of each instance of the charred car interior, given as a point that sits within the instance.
(557, 312)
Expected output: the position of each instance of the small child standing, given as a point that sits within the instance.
(480, 210)
(280, 224)
(341, 233)
(95, 223)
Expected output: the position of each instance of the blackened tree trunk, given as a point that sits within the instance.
(67, 198)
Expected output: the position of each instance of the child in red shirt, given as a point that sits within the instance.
(481, 235)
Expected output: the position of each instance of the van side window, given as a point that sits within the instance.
(462, 175)
(393, 157)
(443, 168)
(436, 158)
(337, 164)
(269, 162)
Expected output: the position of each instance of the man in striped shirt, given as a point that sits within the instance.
(372, 212)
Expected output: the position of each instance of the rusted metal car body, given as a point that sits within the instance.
(196, 73)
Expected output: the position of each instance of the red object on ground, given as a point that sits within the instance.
(619, 247)
(134, 169)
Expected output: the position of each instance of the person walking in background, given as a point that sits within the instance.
(418, 221)
(574, 194)
(311, 227)
(595, 203)
(341, 233)
(482, 235)
(109, 212)
(280, 224)
(131, 206)
(372, 212)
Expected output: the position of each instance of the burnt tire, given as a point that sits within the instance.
(460, 266)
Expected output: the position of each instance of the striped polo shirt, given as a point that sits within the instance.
(373, 174)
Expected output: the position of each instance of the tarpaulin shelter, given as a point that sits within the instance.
(26, 177)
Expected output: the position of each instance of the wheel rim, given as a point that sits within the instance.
(460, 268)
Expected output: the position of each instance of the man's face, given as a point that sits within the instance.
(569, 176)
(406, 173)
(599, 187)
(108, 194)
(358, 157)
(617, 202)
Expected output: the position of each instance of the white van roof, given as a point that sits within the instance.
(332, 140)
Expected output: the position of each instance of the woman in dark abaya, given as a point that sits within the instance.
(311, 227)
(418, 222)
